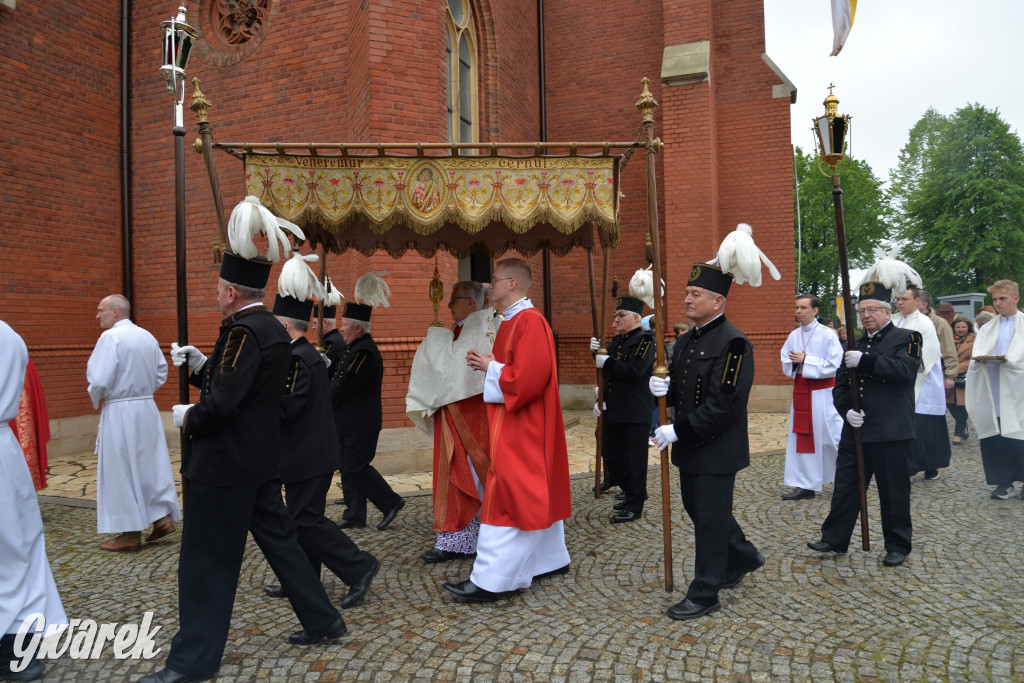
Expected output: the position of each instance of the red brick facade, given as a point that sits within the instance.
(371, 71)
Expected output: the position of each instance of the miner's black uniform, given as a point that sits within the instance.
(334, 349)
(356, 397)
(886, 375)
(711, 374)
(234, 436)
(627, 419)
(308, 460)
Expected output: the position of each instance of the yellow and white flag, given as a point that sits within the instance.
(843, 12)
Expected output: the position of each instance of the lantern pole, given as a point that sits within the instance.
(831, 130)
(646, 105)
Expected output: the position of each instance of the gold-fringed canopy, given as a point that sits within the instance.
(430, 203)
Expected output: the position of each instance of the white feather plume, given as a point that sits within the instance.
(641, 286)
(334, 296)
(372, 290)
(298, 280)
(892, 273)
(250, 218)
(740, 257)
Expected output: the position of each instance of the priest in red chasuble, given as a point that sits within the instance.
(526, 493)
(445, 399)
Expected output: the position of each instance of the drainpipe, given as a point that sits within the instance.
(126, 229)
(544, 138)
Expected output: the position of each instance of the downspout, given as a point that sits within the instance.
(126, 230)
(544, 138)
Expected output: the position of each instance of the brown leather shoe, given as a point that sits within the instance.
(119, 544)
(160, 531)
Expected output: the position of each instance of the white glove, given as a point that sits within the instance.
(853, 358)
(855, 418)
(327, 361)
(658, 386)
(665, 435)
(597, 410)
(599, 360)
(179, 413)
(594, 344)
(187, 354)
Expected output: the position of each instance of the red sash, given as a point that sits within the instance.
(803, 419)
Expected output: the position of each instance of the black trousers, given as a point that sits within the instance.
(1003, 459)
(959, 414)
(360, 481)
(216, 523)
(888, 462)
(624, 448)
(320, 538)
(720, 546)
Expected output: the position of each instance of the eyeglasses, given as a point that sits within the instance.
(870, 310)
(496, 280)
(460, 297)
(903, 299)
(620, 315)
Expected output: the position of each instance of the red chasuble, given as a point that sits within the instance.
(32, 426)
(528, 482)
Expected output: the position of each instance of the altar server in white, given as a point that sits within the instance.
(930, 449)
(26, 582)
(811, 356)
(134, 483)
(995, 391)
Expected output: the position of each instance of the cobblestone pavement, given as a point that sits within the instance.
(954, 611)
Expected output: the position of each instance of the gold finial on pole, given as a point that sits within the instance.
(646, 103)
(436, 293)
(200, 105)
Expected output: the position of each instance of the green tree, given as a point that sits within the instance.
(958, 195)
(864, 212)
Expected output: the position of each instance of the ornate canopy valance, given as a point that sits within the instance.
(428, 203)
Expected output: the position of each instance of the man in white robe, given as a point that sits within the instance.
(930, 450)
(27, 587)
(811, 356)
(134, 483)
(995, 391)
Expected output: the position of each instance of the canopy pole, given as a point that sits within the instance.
(646, 105)
(320, 303)
(597, 334)
(200, 105)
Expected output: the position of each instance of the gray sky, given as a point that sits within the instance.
(901, 57)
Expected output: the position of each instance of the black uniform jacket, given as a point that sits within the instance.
(309, 441)
(334, 348)
(885, 377)
(626, 373)
(712, 371)
(234, 429)
(355, 389)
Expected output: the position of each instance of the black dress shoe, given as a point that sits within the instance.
(733, 579)
(688, 609)
(435, 555)
(33, 672)
(470, 592)
(621, 505)
(554, 572)
(390, 515)
(357, 591)
(274, 592)
(798, 494)
(823, 547)
(604, 487)
(625, 516)
(893, 559)
(349, 524)
(620, 496)
(170, 676)
(340, 501)
(334, 631)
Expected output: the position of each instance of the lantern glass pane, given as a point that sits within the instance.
(839, 133)
(185, 49)
(824, 135)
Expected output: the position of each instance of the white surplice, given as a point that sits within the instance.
(824, 356)
(996, 390)
(929, 388)
(26, 582)
(134, 483)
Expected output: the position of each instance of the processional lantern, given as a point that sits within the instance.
(179, 37)
(831, 130)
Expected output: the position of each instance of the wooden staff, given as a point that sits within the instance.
(599, 453)
(646, 105)
(320, 304)
(200, 105)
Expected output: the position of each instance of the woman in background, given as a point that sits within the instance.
(963, 337)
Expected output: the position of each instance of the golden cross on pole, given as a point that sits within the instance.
(830, 86)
